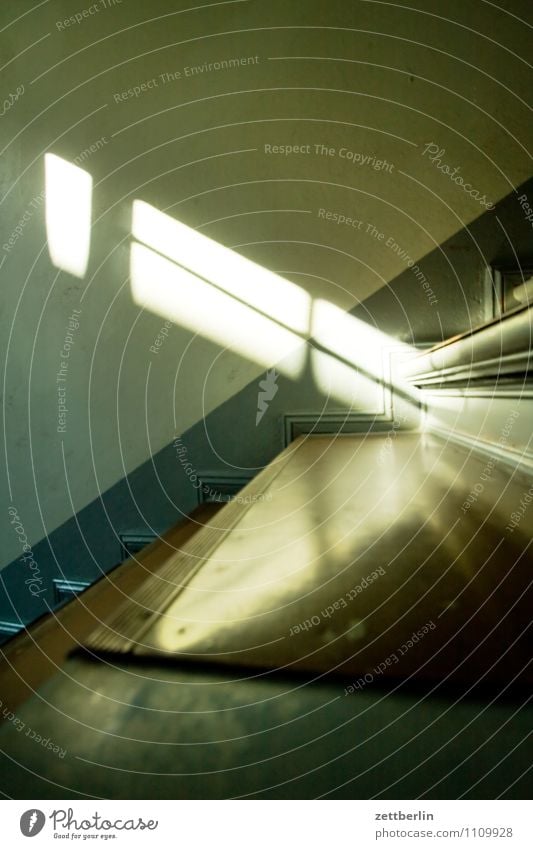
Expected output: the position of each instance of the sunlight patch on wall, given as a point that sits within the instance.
(186, 277)
(270, 294)
(354, 346)
(175, 293)
(351, 339)
(68, 214)
(344, 383)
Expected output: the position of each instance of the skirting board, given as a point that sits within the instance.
(518, 461)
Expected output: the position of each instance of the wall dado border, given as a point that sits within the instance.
(477, 388)
(499, 348)
(397, 404)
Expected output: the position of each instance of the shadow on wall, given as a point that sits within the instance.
(324, 355)
(324, 359)
(459, 274)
